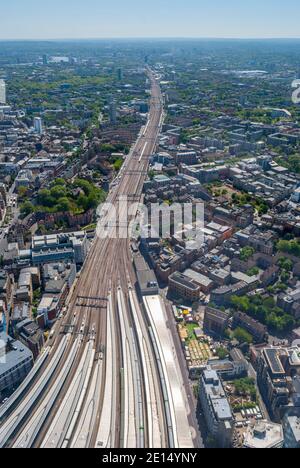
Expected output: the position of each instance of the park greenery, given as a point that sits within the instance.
(222, 353)
(242, 199)
(265, 310)
(114, 148)
(291, 162)
(291, 247)
(246, 405)
(246, 253)
(75, 197)
(253, 271)
(246, 387)
(117, 162)
(285, 264)
(242, 336)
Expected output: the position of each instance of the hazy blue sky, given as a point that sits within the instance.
(45, 19)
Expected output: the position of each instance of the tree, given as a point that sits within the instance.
(196, 122)
(58, 191)
(184, 136)
(265, 310)
(242, 336)
(22, 192)
(291, 247)
(63, 205)
(85, 185)
(241, 303)
(285, 276)
(285, 264)
(262, 208)
(253, 271)
(269, 302)
(245, 387)
(59, 181)
(118, 164)
(27, 208)
(45, 198)
(222, 353)
(294, 163)
(246, 253)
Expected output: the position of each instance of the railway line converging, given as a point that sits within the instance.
(102, 381)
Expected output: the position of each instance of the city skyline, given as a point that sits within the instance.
(131, 19)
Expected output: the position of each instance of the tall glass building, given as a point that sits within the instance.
(2, 92)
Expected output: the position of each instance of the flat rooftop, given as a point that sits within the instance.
(17, 354)
(294, 422)
(157, 315)
(264, 435)
(272, 356)
(215, 391)
(184, 281)
(198, 278)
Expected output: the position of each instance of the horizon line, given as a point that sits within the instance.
(115, 38)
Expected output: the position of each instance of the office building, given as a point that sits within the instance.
(113, 112)
(296, 196)
(146, 278)
(277, 370)
(183, 287)
(255, 328)
(235, 368)
(216, 408)
(16, 361)
(69, 247)
(29, 333)
(24, 178)
(2, 92)
(215, 321)
(81, 248)
(24, 291)
(206, 284)
(120, 74)
(291, 429)
(264, 435)
(38, 125)
(58, 279)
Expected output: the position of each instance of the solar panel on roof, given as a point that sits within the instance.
(275, 363)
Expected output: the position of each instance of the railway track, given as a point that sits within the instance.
(98, 386)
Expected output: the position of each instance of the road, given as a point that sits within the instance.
(100, 386)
